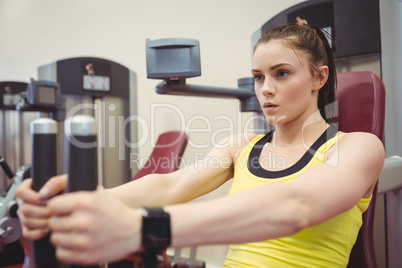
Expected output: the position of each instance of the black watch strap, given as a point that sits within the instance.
(156, 234)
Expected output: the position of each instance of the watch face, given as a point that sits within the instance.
(155, 229)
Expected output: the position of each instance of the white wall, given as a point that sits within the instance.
(33, 33)
(37, 32)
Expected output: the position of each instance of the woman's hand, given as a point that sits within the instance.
(32, 211)
(93, 227)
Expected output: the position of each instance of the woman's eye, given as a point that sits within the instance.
(258, 77)
(282, 73)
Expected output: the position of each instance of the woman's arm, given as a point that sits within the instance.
(187, 183)
(184, 184)
(153, 190)
(264, 212)
(282, 209)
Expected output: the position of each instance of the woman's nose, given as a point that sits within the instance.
(268, 88)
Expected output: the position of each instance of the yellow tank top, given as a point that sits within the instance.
(325, 245)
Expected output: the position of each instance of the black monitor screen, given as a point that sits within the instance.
(173, 59)
(46, 95)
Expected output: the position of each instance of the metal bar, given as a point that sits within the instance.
(180, 88)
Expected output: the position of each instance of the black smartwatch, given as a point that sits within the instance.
(156, 234)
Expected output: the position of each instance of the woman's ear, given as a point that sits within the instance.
(321, 77)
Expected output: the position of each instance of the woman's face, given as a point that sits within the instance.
(284, 84)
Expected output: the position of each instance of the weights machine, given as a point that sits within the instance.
(81, 153)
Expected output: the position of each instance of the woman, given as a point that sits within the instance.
(303, 209)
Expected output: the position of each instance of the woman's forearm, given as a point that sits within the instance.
(177, 187)
(253, 215)
(150, 190)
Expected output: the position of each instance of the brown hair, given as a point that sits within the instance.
(313, 42)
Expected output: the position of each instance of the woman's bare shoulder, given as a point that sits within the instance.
(236, 143)
(365, 144)
(357, 138)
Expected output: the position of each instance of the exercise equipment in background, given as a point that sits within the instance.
(107, 91)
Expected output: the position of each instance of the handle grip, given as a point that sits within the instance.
(44, 166)
(81, 154)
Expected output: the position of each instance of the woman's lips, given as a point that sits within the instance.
(270, 106)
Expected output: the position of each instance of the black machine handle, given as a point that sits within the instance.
(44, 166)
(6, 168)
(81, 155)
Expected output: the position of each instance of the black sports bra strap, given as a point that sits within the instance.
(253, 163)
